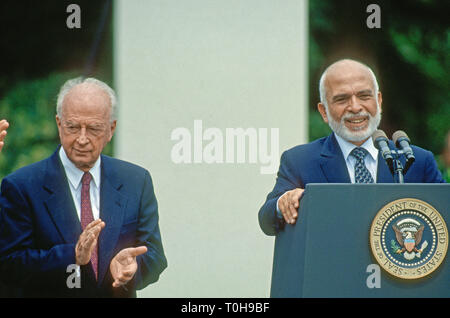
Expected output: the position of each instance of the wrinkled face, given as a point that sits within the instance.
(354, 111)
(85, 127)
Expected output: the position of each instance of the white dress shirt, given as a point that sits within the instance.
(74, 176)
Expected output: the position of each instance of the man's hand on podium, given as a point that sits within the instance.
(289, 203)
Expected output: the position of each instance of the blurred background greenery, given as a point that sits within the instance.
(38, 53)
(409, 55)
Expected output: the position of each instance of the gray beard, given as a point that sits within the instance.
(342, 131)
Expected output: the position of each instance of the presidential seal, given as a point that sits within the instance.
(409, 238)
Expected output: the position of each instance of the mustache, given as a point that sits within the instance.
(350, 116)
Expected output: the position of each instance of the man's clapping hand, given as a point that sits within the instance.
(87, 241)
(123, 266)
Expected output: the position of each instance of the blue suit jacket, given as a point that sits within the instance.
(322, 161)
(39, 228)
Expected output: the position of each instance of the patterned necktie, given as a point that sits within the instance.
(87, 216)
(362, 174)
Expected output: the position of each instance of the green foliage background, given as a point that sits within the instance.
(409, 55)
(38, 53)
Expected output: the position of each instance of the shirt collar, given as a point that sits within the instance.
(74, 174)
(347, 147)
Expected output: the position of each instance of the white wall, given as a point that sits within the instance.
(228, 64)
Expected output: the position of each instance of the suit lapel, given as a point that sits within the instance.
(112, 210)
(383, 173)
(332, 162)
(59, 202)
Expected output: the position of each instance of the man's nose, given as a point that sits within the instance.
(354, 105)
(82, 138)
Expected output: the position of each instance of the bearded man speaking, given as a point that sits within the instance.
(350, 103)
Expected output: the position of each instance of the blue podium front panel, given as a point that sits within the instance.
(327, 253)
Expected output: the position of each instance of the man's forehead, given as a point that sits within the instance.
(83, 120)
(354, 84)
(87, 99)
(347, 77)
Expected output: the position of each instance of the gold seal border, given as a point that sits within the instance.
(424, 208)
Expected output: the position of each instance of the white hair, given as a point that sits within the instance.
(68, 85)
(323, 90)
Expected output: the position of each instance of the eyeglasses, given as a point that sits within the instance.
(93, 130)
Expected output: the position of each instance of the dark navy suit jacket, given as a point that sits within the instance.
(322, 161)
(39, 229)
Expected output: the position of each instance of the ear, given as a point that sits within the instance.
(58, 124)
(113, 128)
(380, 100)
(323, 112)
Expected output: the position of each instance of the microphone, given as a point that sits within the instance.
(402, 142)
(380, 141)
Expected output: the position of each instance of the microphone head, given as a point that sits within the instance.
(399, 134)
(378, 134)
(380, 141)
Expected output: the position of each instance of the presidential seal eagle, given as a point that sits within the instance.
(408, 233)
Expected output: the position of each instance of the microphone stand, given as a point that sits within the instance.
(398, 170)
